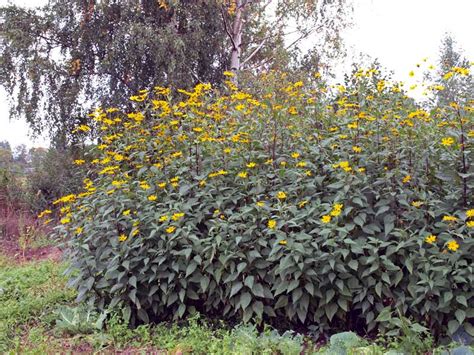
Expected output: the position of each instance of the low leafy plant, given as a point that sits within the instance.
(408, 337)
(343, 343)
(79, 320)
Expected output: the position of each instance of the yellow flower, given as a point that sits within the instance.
(470, 224)
(406, 179)
(79, 230)
(227, 150)
(281, 195)
(449, 219)
(251, 165)
(283, 242)
(417, 203)
(83, 128)
(430, 239)
(260, 204)
(301, 164)
(152, 198)
(177, 216)
(326, 218)
(126, 213)
(119, 157)
(162, 185)
(447, 141)
(271, 224)
(65, 199)
(308, 173)
(411, 73)
(65, 220)
(448, 75)
(79, 161)
(144, 185)
(170, 229)
(122, 238)
(44, 213)
(470, 213)
(357, 149)
(118, 183)
(163, 218)
(302, 203)
(135, 232)
(337, 209)
(292, 110)
(242, 175)
(295, 155)
(452, 245)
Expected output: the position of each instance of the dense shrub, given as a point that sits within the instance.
(294, 204)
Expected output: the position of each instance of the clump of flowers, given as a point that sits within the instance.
(278, 203)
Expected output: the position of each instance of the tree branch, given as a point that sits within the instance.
(303, 36)
(254, 52)
(226, 28)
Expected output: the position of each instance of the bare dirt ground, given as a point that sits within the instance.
(11, 249)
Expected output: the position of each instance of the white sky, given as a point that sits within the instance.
(397, 32)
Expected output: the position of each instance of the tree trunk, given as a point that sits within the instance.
(237, 26)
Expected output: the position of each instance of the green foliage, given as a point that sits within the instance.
(342, 343)
(280, 207)
(79, 320)
(52, 174)
(411, 338)
(196, 335)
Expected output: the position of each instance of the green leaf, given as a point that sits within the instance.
(353, 264)
(330, 310)
(181, 310)
(385, 315)
(469, 328)
(141, 313)
(329, 295)
(133, 281)
(191, 268)
(460, 315)
(249, 281)
(204, 283)
(453, 325)
(461, 300)
(245, 299)
(235, 288)
(257, 290)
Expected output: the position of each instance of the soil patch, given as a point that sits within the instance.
(12, 250)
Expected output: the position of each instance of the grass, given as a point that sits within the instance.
(29, 293)
(38, 315)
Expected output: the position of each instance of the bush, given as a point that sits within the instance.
(295, 204)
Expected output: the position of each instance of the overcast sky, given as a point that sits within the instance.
(400, 33)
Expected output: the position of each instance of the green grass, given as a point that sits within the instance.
(29, 293)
